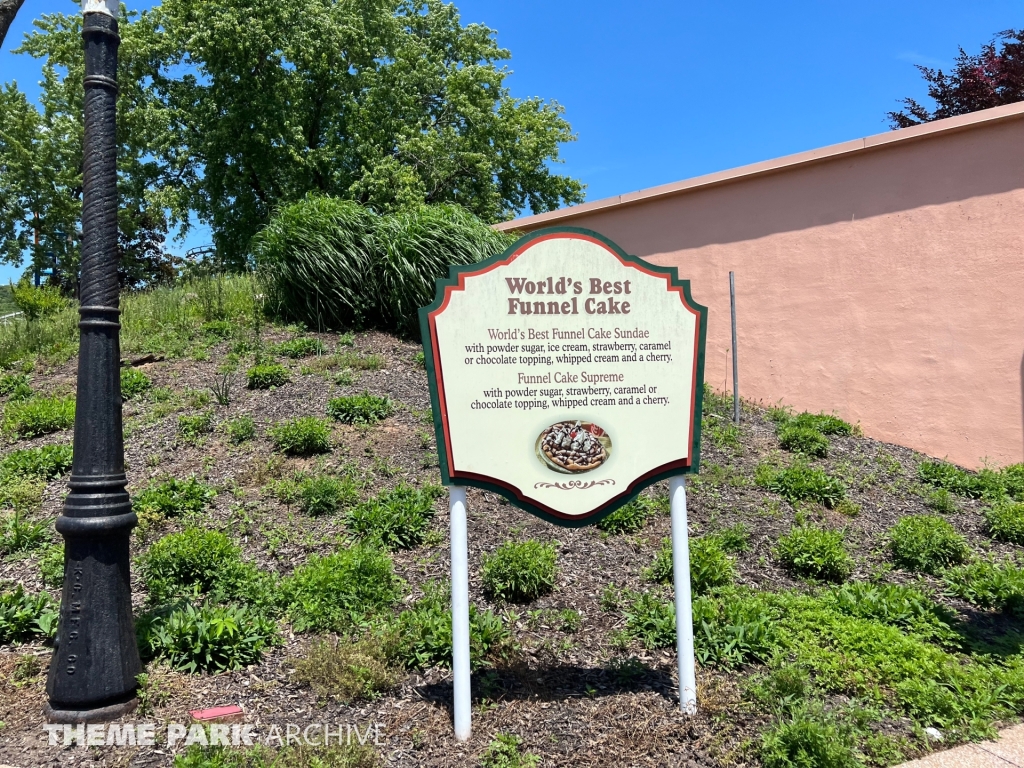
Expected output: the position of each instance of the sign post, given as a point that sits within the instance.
(567, 376)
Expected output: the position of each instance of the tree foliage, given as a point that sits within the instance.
(230, 110)
(993, 77)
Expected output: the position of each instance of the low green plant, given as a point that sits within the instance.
(173, 498)
(21, 493)
(896, 605)
(800, 482)
(240, 429)
(358, 362)
(206, 638)
(221, 390)
(519, 571)
(421, 637)
(360, 409)
(806, 440)
(325, 495)
(267, 375)
(650, 619)
(339, 591)
(192, 428)
(133, 383)
(217, 329)
(398, 518)
(24, 616)
(345, 671)
(710, 566)
(19, 534)
(503, 752)
(349, 755)
(733, 628)
(815, 553)
(986, 484)
(988, 584)
(303, 436)
(734, 539)
(941, 500)
(810, 738)
(631, 517)
(13, 382)
(823, 423)
(1004, 521)
(38, 416)
(723, 434)
(198, 562)
(926, 543)
(303, 346)
(51, 565)
(45, 462)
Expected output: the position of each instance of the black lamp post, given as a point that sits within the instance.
(95, 660)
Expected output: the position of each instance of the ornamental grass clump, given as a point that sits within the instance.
(926, 543)
(398, 518)
(815, 553)
(304, 436)
(519, 571)
(360, 409)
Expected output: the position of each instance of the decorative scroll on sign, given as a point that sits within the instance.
(565, 374)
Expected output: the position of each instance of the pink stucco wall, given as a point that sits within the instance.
(885, 284)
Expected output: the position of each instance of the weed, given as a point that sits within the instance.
(632, 517)
(826, 424)
(815, 553)
(346, 671)
(205, 638)
(349, 755)
(197, 398)
(519, 571)
(38, 416)
(1005, 521)
(17, 534)
(710, 566)
(926, 543)
(150, 694)
(360, 362)
(173, 498)
(24, 616)
(304, 436)
(21, 493)
(51, 565)
(133, 383)
(45, 462)
(360, 409)
(806, 440)
(336, 592)
(893, 604)
(398, 518)
(650, 619)
(984, 484)
(421, 636)
(241, 429)
(304, 346)
(733, 539)
(723, 435)
(733, 628)
(809, 737)
(325, 495)
(800, 482)
(13, 383)
(192, 428)
(345, 379)
(419, 359)
(988, 584)
(503, 752)
(217, 329)
(221, 390)
(267, 375)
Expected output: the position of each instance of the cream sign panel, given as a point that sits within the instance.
(565, 374)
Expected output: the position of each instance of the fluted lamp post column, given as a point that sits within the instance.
(95, 660)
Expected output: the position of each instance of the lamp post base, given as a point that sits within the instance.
(95, 715)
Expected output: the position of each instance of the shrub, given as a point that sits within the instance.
(803, 440)
(241, 429)
(192, 428)
(335, 592)
(631, 517)
(926, 543)
(206, 638)
(325, 495)
(421, 636)
(398, 518)
(24, 616)
(733, 629)
(504, 752)
(988, 584)
(824, 423)
(200, 562)
(893, 604)
(37, 301)
(519, 571)
(173, 498)
(345, 671)
(809, 738)
(304, 436)
(360, 409)
(815, 553)
(45, 462)
(17, 534)
(267, 375)
(303, 346)
(710, 566)
(800, 482)
(133, 383)
(38, 416)
(1013, 480)
(1005, 521)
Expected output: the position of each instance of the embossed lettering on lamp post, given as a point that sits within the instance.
(95, 659)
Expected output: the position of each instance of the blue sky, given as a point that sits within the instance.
(662, 91)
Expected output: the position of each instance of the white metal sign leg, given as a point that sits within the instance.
(460, 612)
(684, 606)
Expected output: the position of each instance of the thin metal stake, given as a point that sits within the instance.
(735, 356)
(460, 612)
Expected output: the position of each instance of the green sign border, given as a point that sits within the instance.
(428, 354)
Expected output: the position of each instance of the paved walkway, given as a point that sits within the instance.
(1008, 752)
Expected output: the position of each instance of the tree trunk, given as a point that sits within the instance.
(8, 10)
